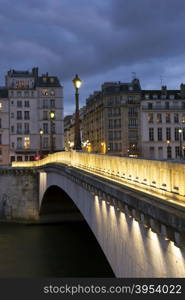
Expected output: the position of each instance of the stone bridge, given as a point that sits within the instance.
(135, 208)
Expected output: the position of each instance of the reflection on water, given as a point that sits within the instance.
(54, 250)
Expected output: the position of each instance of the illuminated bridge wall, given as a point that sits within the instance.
(165, 179)
(138, 217)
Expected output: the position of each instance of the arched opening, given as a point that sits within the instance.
(57, 206)
(77, 253)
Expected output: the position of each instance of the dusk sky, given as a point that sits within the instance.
(101, 40)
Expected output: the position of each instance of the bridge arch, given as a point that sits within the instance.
(57, 206)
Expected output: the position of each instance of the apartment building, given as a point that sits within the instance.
(163, 123)
(35, 113)
(111, 122)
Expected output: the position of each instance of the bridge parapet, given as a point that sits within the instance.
(158, 177)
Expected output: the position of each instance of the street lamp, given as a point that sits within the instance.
(77, 139)
(52, 116)
(41, 133)
(180, 140)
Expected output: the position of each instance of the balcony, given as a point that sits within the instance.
(160, 108)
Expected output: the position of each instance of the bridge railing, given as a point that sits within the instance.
(164, 177)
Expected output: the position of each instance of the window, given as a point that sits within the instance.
(132, 111)
(168, 120)
(117, 123)
(147, 96)
(45, 103)
(12, 158)
(167, 105)
(26, 93)
(1, 106)
(177, 152)
(169, 152)
(183, 105)
(19, 115)
(45, 92)
(52, 103)
(151, 134)
(159, 134)
(19, 128)
(0, 139)
(52, 93)
(0, 151)
(155, 96)
(176, 134)
(150, 118)
(159, 118)
(26, 103)
(168, 133)
(172, 97)
(19, 143)
(109, 112)
(176, 118)
(132, 123)
(130, 99)
(26, 128)
(19, 158)
(110, 123)
(0, 123)
(18, 94)
(12, 115)
(45, 128)
(150, 105)
(117, 135)
(151, 152)
(110, 135)
(19, 103)
(45, 142)
(45, 115)
(26, 142)
(26, 115)
(12, 129)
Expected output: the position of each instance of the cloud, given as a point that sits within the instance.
(100, 40)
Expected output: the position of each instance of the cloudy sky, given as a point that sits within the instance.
(101, 40)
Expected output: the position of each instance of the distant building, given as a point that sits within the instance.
(69, 130)
(30, 101)
(111, 122)
(163, 123)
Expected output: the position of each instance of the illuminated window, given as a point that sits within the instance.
(52, 93)
(26, 142)
(1, 106)
(45, 92)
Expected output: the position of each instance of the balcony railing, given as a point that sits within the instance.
(160, 107)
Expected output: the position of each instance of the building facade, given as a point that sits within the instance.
(163, 123)
(4, 126)
(111, 121)
(35, 113)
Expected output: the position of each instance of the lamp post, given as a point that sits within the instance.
(77, 139)
(180, 141)
(52, 116)
(41, 133)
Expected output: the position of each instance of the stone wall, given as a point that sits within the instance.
(18, 194)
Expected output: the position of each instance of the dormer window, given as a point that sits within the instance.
(44, 79)
(147, 96)
(172, 97)
(155, 96)
(130, 88)
(51, 79)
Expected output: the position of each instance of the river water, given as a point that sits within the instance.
(52, 250)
